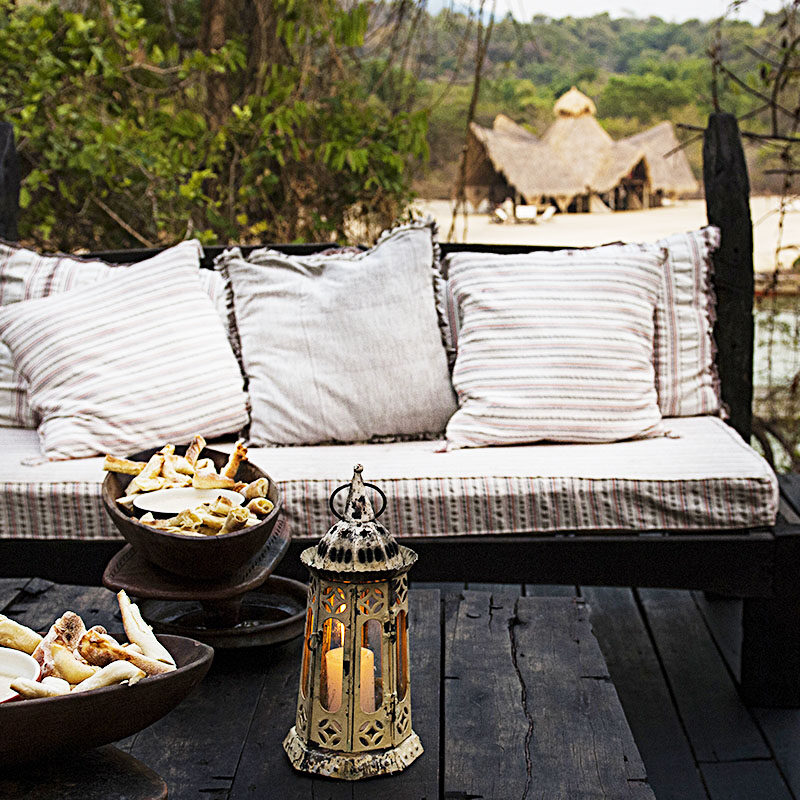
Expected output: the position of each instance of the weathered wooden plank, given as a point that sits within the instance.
(98, 774)
(264, 766)
(550, 590)
(719, 726)
(745, 780)
(40, 603)
(579, 744)
(197, 746)
(644, 694)
(723, 615)
(485, 723)
(499, 588)
(9, 589)
(781, 728)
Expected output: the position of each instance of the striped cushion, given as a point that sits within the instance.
(555, 346)
(687, 382)
(126, 364)
(686, 375)
(25, 275)
(701, 477)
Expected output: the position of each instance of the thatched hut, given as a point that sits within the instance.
(575, 165)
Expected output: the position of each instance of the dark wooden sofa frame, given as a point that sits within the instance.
(762, 566)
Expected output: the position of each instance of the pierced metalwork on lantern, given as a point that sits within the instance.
(354, 703)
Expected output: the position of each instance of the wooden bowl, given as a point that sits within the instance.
(38, 729)
(203, 558)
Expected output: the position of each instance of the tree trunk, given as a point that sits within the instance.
(213, 37)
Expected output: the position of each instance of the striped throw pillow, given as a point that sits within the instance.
(686, 374)
(555, 346)
(26, 275)
(126, 364)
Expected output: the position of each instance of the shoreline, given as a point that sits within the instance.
(589, 230)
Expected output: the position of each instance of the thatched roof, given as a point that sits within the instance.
(669, 173)
(574, 104)
(576, 155)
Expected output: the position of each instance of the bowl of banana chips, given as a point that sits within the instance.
(191, 510)
(90, 687)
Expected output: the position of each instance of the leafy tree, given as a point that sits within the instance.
(136, 127)
(645, 97)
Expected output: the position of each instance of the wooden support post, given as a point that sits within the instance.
(9, 183)
(771, 630)
(728, 206)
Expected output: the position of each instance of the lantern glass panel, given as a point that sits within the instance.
(401, 653)
(371, 672)
(305, 679)
(333, 646)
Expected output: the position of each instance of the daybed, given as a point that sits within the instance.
(693, 509)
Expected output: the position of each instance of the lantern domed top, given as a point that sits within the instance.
(358, 542)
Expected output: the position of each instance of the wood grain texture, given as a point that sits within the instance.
(718, 726)
(9, 589)
(530, 709)
(196, 747)
(550, 590)
(99, 774)
(724, 619)
(581, 745)
(727, 191)
(40, 603)
(745, 780)
(781, 727)
(485, 722)
(636, 673)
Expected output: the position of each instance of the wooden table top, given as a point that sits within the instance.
(510, 696)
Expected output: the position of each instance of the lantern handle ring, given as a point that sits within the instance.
(347, 486)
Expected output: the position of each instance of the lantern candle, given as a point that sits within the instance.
(333, 668)
(354, 720)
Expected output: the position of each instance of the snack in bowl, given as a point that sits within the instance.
(51, 723)
(195, 546)
(70, 658)
(210, 501)
(15, 664)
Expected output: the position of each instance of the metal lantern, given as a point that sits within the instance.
(354, 703)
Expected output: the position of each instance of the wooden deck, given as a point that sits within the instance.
(673, 657)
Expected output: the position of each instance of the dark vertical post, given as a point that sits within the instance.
(728, 206)
(9, 183)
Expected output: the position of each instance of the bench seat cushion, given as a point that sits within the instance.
(704, 477)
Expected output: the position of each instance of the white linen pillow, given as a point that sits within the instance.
(26, 275)
(342, 347)
(555, 346)
(126, 364)
(686, 373)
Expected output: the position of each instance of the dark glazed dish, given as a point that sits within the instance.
(204, 558)
(37, 729)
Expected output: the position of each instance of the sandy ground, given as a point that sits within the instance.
(579, 230)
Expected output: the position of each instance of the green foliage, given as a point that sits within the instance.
(645, 97)
(118, 145)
